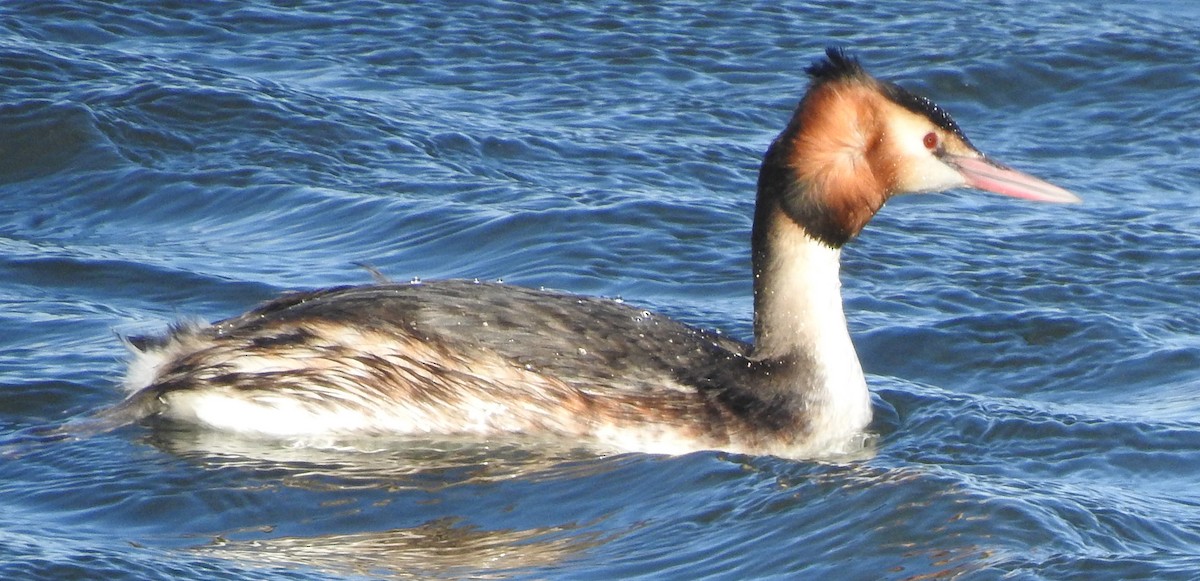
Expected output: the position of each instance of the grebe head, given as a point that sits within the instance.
(855, 141)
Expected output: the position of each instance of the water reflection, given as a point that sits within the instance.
(443, 548)
(400, 462)
(371, 483)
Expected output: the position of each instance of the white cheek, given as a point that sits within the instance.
(919, 169)
(925, 173)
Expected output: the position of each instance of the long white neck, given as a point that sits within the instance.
(798, 319)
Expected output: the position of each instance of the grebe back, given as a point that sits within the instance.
(460, 357)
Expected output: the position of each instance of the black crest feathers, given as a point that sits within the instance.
(836, 65)
(922, 105)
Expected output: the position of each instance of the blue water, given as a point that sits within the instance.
(1036, 369)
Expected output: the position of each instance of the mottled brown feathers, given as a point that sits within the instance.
(452, 357)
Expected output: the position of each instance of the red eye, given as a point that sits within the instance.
(931, 140)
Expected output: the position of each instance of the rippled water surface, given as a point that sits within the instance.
(1036, 369)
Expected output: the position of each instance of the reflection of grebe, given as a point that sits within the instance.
(459, 357)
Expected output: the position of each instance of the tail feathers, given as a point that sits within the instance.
(149, 354)
(135, 408)
(160, 341)
(144, 343)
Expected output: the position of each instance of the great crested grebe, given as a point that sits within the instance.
(458, 357)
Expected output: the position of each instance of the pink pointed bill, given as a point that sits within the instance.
(984, 174)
